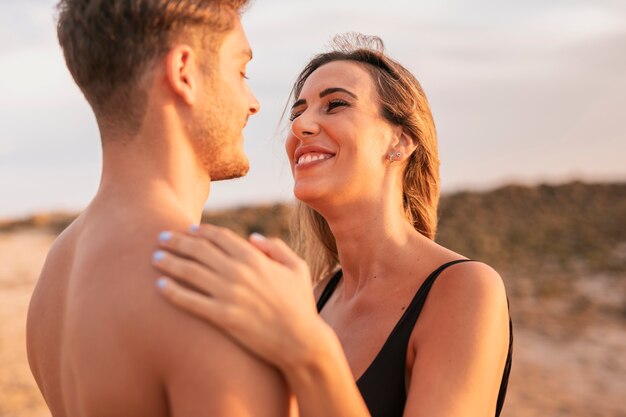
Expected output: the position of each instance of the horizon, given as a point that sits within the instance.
(522, 93)
(4, 220)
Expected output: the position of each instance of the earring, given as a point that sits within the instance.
(391, 160)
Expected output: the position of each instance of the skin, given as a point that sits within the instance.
(260, 293)
(99, 341)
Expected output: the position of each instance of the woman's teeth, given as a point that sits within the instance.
(305, 159)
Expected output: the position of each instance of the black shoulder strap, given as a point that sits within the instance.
(382, 385)
(507, 368)
(328, 290)
(407, 322)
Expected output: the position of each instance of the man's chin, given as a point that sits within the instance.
(231, 172)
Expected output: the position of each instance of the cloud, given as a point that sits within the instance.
(519, 89)
(25, 24)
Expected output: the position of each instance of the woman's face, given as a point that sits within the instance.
(339, 142)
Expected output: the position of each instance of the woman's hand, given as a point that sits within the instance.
(259, 293)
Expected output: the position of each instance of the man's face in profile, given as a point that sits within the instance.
(224, 108)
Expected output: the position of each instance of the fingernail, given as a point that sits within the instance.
(257, 236)
(165, 236)
(161, 283)
(194, 228)
(158, 256)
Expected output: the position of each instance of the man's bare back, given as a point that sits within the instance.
(102, 342)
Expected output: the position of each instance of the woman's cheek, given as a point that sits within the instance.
(290, 149)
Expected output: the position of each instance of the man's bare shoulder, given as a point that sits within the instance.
(203, 371)
(45, 310)
(99, 283)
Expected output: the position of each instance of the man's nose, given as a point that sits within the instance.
(255, 106)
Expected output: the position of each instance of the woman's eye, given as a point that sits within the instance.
(336, 103)
(243, 74)
(333, 104)
(294, 115)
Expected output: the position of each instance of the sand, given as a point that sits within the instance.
(21, 256)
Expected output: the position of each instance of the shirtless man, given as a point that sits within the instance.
(166, 81)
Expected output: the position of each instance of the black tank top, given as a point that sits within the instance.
(382, 385)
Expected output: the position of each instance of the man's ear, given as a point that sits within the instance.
(182, 72)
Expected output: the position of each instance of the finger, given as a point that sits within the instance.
(233, 245)
(193, 247)
(206, 308)
(277, 250)
(224, 317)
(197, 247)
(189, 272)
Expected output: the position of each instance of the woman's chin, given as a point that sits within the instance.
(308, 193)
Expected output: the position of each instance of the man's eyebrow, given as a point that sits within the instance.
(325, 93)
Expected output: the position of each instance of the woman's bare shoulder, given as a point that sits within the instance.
(462, 335)
(467, 294)
(469, 279)
(473, 278)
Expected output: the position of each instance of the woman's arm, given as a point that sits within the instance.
(323, 383)
(460, 346)
(262, 298)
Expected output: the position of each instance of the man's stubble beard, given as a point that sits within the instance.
(217, 137)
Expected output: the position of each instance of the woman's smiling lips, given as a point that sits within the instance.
(310, 155)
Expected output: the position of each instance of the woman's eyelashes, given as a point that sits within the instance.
(330, 106)
(333, 104)
(294, 115)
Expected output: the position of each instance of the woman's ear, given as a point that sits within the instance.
(182, 73)
(403, 146)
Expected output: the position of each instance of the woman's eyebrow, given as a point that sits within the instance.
(298, 103)
(324, 93)
(335, 90)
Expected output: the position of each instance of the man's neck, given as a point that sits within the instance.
(154, 170)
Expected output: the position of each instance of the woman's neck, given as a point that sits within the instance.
(374, 241)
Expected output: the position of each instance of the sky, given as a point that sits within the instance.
(522, 91)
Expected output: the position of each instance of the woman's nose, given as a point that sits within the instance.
(305, 126)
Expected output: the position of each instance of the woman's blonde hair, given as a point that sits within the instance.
(403, 103)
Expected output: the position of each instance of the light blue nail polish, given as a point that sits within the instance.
(165, 236)
(158, 256)
(194, 228)
(161, 283)
(257, 236)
